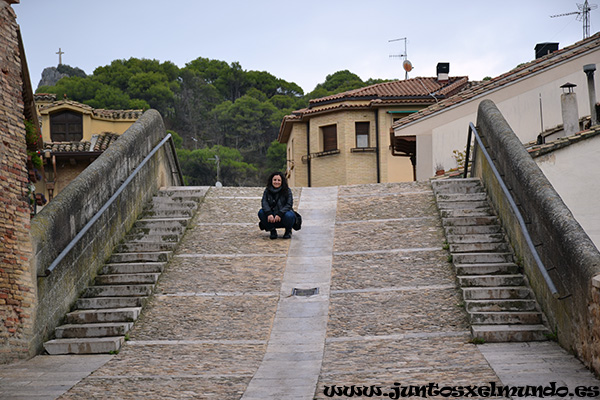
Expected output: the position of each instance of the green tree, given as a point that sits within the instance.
(200, 167)
(193, 102)
(248, 125)
(342, 81)
(276, 157)
(154, 88)
(177, 140)
(75, 88)
(71, 71)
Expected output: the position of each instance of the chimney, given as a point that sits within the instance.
(570, 112)
(443, 71)
(542, 49)
(589, 71)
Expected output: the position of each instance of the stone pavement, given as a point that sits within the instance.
(224, 325)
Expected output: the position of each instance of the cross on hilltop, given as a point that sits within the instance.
(60, 53)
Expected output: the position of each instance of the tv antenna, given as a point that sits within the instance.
(407, 65)
(582, 15)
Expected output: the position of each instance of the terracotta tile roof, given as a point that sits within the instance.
(409, 88)
(414, 91)
(99, 143)
(97, 112)
(520, 72)
(537, 150)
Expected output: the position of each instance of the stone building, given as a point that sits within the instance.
(344, 139)
(17, 280)
(74, 135)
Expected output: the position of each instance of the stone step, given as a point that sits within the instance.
(127, 279)
(159, 202)
(510, 333)
(501, 305)
(100, 345)
(118, 291)
(470, 221)
(170, 213)
(479, 196)
(481, 258)
(492, 293)
(473, 229)
(107, 311)
(92, 330)
(457, 213)
(486, 269)
(161, 224)
(140, 236)
(451, 186)
(462, 205)
(157, 231)
(133, 268)
(476, 238)
(103, 315)
(499, 247)
(156, 256)
(145, 247)
(184, 192)
(505, 317)
(491, 280)
(93, 303)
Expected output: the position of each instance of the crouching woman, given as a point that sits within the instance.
(277, 207)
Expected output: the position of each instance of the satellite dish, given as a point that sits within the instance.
(407, 65)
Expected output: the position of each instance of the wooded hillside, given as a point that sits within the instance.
(214, 107)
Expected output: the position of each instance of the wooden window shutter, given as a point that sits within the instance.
(362, 134)
(329, 137)
(66, 126)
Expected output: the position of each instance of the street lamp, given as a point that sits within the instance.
(218, 162)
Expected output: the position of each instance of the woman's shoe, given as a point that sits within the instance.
(287, 234)
(273, 234)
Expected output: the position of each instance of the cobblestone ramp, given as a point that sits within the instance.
(290, 368)
(388, 313)
(395, 312)
(204, 333)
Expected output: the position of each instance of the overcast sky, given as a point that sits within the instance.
(299, 41)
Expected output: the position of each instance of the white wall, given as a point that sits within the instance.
(575, 174)
(519, 102)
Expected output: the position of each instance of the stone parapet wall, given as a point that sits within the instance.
(17, 283)
(64, 217)
(570, 257)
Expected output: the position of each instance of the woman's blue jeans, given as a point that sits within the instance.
(286, 222)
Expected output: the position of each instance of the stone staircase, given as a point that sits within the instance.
(107, 310)
(497, 297)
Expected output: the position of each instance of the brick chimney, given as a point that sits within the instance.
(542, 49)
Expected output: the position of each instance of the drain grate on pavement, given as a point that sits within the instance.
(305, 292)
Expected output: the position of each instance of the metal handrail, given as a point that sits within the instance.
(513, 205)
(98, 214)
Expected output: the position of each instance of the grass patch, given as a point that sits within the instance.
(477, 340)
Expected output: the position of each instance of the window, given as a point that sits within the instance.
(329, 137)
(66, 126)
(362, 134)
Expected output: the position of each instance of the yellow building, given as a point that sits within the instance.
(345, 139)
(74, 135)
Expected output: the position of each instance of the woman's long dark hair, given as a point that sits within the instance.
(284, 184)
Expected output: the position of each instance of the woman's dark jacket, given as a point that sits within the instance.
(277, 202)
